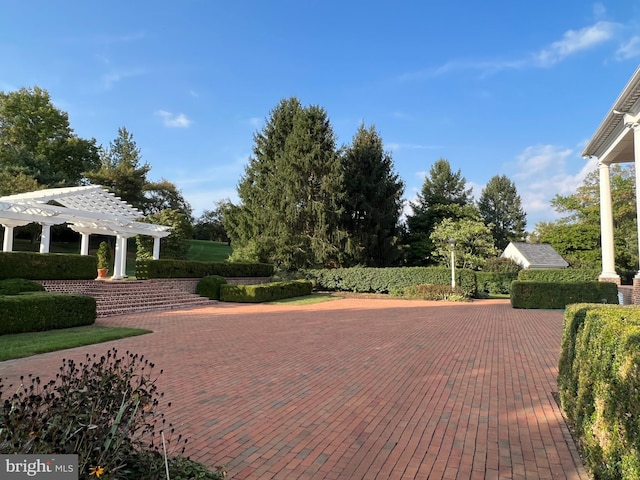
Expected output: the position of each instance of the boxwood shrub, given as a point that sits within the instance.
(599, 381)
(47, 266)
(14, 286)
(147, 268)
(389, 280)
(525, 294)
(491, 283)
(39, 311)
(209, 286)
(265, 292)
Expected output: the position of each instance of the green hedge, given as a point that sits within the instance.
(265, 292)
(39, 311)
(14, 286)
(599, 381)
(210, 286)
(434, 292)
(47, 266)
(389, 280)
(491, 283)
(559, 295)
(559, 275)
(146, 269)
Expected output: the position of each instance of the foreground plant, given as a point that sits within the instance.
(105, 410)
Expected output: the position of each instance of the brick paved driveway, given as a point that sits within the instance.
(358, 389)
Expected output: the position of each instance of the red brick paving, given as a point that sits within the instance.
(357, 389)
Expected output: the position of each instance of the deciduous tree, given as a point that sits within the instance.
(473, 242)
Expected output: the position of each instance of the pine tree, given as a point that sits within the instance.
(373, 202)
(121, 172)
(500, 207)
(443, 195)
(291, 192)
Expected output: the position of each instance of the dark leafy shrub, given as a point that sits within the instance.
(104, 409)
(434, 292)
(492, 283)
(146, 268)
(209, 286)
(559, 275)
(501, 265)
(14, 286)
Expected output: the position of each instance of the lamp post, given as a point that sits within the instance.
(452, 244)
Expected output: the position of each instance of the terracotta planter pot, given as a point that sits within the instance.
(103, 272)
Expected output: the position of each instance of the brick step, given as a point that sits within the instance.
(123, 310)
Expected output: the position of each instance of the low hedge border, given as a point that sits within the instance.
(146, 269)
(599, 381)
(40, 311)
(389, 280)
(47, 266)
(525, 294)
(210, 286)
(265, 292)
(559, 275)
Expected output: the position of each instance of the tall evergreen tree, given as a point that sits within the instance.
(443, 195)
(500, 207)
(291, 192)
(121, 171)
(373, 202)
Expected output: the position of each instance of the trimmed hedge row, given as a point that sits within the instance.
(389, 280)
(559, 275)
(47, 266)
(433, 292)
(265, 292)
(599, 381)
(14, 286)
(39, 311)
(558, 295)
(148, 268)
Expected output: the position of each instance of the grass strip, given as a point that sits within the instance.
(26, 344)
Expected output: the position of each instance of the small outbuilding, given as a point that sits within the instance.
(534, 255)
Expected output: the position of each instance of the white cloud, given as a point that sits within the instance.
(629, 49)
(171, 120)
(111, 78)
(542, 173)
(574, 41)
(394, 147)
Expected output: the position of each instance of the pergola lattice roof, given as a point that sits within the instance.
(90, 208)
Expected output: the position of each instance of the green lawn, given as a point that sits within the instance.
(26, 344)
(206, 251)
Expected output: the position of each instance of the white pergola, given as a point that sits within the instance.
(87, 210)
(617, 140)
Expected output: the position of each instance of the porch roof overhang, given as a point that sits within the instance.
(88, 209)
(613, 141)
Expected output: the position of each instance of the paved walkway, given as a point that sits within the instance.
(353, 389)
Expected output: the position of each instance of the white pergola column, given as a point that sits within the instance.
(117, 262)
(7, 243)
(45, 237)
(156, 248)
(84, 244)
(606, 227)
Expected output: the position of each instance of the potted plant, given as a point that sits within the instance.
(104, 258)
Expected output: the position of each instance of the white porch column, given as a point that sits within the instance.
(84, 244)
(636, 151)
(117, 263)
(156, 248)
(123, 256)
(45, 237)
(606, 227)
(7, 243)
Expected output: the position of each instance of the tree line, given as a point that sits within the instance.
(305, 201)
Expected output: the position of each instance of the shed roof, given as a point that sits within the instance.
(538, 255)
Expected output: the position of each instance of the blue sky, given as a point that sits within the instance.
(495, 87)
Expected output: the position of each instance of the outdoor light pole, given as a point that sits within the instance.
(452, 244)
